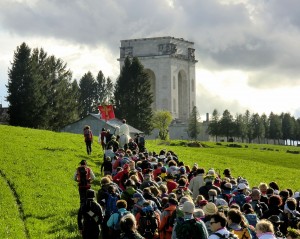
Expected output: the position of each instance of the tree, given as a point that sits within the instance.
(101, 90)
(240, 128)
(194, 126)
(20, 87)
(88, 95)
(133, 97)
(288, 127)
(257, 127)
(226, 125)
(109, 91)
(275, 127)
(265, 123)
(40, 89)
(214, 124)
(161, 121)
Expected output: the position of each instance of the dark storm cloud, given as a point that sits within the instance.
(260, 37)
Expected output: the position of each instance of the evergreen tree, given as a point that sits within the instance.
(61, 98)
(109, 91)
(194, 126)
(40, 90)
(265, 122)
(226, 124)
(257, 127)
(20, 87)
(88, 96)
(275, 127)
(288, 127)
(214, 124)
(101, 89)
(240, 127)
(162, 121)
(133, 97)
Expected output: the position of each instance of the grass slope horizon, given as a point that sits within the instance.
(39, 198)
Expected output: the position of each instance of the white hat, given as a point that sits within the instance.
(188, 207)
(242, 186)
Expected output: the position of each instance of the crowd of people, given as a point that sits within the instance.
(153, 195)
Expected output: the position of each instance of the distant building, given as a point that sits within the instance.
(96, 124)
(4, 117)
(170, 63)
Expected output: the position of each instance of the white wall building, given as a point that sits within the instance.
(170, 63)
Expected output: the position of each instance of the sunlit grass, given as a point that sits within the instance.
(39, 165)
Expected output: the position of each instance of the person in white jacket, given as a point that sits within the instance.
(197, 182)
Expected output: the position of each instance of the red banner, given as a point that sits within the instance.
(106, 112)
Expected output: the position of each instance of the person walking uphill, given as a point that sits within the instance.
(89, 217)
(84, 176)
(88, 138)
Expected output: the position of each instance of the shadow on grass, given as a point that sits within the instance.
(69, 228)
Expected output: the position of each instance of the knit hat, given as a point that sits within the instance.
(188, 207)
(210, 208)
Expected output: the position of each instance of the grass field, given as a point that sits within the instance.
(39, 199)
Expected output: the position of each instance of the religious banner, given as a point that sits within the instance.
(106, 112)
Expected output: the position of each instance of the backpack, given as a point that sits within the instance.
(111, 204)
(240, 199)
(148, 224)
(87, 135)
(230, 236)
(83, 176)
(242, 233)
(171, 220)
(120, 216)
(190, 229)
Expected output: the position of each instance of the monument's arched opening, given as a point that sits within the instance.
(153, 86)
(183, 107)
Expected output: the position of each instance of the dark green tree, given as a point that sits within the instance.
(101, 89)
(288, 127)
(214, 125)
(20, 87)
(88, 94)
(257, 127)
(133, 97)
(265, 121)
(240, 128)
(109, 91)
(226, 125)
(40, 90)
(275, 127)
(194, 125)
(61, 98)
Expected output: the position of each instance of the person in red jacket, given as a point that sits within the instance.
(171, 184)
(121, 177)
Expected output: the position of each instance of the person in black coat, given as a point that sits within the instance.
(89, 217)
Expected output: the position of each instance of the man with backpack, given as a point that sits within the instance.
(88, 138)
(148, 222)
(89, 217)
(188, 227)
(240, 198)
(114, 221)
(166, 226)
(84, 176)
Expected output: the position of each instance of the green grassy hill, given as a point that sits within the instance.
(39, 199)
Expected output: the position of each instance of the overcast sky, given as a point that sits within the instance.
(248, 51)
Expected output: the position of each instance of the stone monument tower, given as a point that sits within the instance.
(170, 63)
